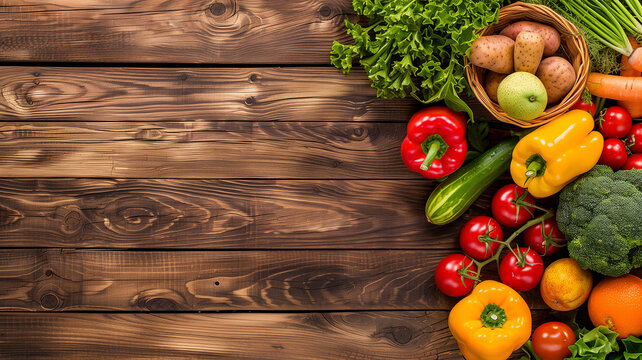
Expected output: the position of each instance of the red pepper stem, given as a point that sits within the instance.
(433, 149)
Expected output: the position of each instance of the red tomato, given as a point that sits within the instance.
(476, 228)
(583, 105)
(552, 339)
(534, 238)
(521, 274)
(613, 153)
(448, 278)
(634, 138)
(504, 209)
(633, 162)
(616, 122)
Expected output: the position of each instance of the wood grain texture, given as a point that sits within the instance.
(224, 214)
(171, 94)
(363, 335)
(310, 150)
(179, 31)
(347, 335)
(224, 280)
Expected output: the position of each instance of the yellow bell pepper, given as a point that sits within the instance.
(491, 322)
(555, 154)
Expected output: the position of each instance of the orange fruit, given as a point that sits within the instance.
(565, 285)
(617, 304)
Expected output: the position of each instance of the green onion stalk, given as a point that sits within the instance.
(610, 21)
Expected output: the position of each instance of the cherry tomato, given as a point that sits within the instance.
(504, 209)
(521, 274)
(448, 278)
(613, 153)
(616, 122)
(633, 162)
(476, 228)
(634, 138)
(535, 240)
(583, 105)
(552, 339)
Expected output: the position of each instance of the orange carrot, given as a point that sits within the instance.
(635, 60)
(633, 107)
(628, 88)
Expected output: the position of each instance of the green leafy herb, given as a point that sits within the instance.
(595, 344)
(601, 344)
(415, 47)
(632, 348)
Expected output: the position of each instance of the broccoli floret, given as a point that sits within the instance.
(601, 215)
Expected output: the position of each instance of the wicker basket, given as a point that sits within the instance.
(573, 47)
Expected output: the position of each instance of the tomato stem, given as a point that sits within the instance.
(502, 244)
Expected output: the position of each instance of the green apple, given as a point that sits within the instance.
(522, 96)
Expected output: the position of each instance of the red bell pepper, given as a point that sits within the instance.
(436, 142)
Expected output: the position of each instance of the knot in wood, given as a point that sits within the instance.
(73, 222)
(159, 300)
(9, 216)
(160, 304)
(250, 101)
(217, 9)
(50, 301)
(359, 134)
(400, 334)
(149, 134)
(254, 77)
(325, 11)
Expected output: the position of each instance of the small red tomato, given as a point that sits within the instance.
(583, 105)
(448, 277)
(633, 162)
(616, 122)
(505, 209)
(521, 269)
(634, 138)
(475, 237)
(552, 339)
(535, 237)
(613, 153)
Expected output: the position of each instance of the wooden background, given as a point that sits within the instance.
(192, 179)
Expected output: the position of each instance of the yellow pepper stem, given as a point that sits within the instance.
(493, 316)
(532, 169)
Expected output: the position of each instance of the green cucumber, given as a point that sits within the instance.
(455, 195)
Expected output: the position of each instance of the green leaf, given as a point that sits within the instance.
(632, 348)
(477, 134)
(596, 344)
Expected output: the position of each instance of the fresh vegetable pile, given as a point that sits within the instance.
(576, 189)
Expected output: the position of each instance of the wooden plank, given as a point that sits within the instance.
(374, 335)
(311, 150)
(224, 214)
(179, 31)
(170, 94)
(346, 335)
(224, 280)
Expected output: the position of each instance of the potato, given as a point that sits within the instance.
(548, 33)
(492, 83)
(494, 52)
(558, 77)
(529, 47)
